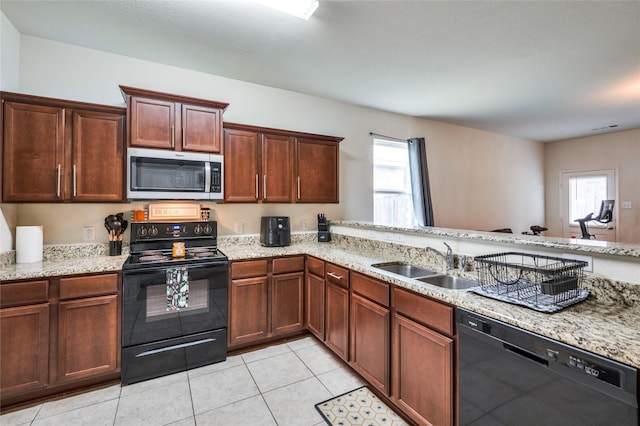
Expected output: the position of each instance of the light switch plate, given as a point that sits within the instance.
(626, 204)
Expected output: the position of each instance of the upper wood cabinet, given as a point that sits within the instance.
(166, 121)
(56, 150)
(317, 171)
(258, 167)
(279, 166)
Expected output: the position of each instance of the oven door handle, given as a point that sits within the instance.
(161, 270)
(174, 347)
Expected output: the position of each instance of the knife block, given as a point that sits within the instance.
(323, 229)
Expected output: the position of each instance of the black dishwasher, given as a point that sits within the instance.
(508, 376)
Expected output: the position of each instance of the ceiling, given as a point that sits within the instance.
(540, 70)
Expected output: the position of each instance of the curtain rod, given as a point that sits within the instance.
(387, 137)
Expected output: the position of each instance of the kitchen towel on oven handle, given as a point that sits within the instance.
(177, 288)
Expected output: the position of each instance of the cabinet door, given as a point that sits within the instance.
(33, 167)
(422, 372)
(369, 341)
(315, 305)
(240, 166)
(25, 349)
(152, 123)
(277, 168)
(287, 303)
(337, 320)
(317, 168)
(88, 340)
(248, 310)
(97, 157)
(201, 129)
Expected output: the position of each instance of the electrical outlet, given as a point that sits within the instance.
(305, 225)
(239, 227)
(626, 204)
(89, 233)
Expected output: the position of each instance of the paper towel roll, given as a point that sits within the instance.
(28, 244)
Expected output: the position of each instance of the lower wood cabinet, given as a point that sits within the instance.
(422, 360)
(58, 334)
(337, 310)
(314, 298)
(87, 338)
(287, 303)
(369, 322)
(266, 300)
(24, 349)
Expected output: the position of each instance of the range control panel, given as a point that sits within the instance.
(167, 230)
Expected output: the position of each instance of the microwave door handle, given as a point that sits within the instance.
(207, 176)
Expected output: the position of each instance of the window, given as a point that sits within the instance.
(586, 192)
(392, 202)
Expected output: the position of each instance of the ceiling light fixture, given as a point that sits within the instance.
(300, 8)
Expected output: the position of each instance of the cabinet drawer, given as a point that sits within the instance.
(371, 288)
(288, 264)
(249, 268)
(429, 312)
(24, 293)
(337, 275)
(94, 285)
(315, 266)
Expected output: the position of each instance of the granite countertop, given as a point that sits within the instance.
(573, 244)
(601, 325)
(59, 267)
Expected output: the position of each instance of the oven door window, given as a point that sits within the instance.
(165, 175)
(146, 317)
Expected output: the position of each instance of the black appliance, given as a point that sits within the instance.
(166, 327)
(275, 231)
(323, 229)
(508, 376)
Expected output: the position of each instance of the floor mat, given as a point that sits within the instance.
(358, 407)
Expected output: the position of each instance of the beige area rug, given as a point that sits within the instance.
(358, 407)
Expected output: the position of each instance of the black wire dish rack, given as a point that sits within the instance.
(544, 283)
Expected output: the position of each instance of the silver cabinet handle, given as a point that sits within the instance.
(58, 184)
(173, 137)
(264, 187)
(298, 187)
(337, 277)
(74, 180)
(256, 186)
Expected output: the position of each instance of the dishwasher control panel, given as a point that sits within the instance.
(603, 373)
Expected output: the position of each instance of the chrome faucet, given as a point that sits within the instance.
(448, 257)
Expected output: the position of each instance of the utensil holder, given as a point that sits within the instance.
(115, 248)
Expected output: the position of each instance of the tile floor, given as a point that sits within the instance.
(277, 385)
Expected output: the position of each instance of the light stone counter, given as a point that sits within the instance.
(66, 259)
(605, 324)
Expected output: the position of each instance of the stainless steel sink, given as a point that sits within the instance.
(448, 281)
(404, 269)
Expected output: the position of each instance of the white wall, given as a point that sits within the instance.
(466, 193)
(619, 151)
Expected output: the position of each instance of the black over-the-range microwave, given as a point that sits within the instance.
(155, 174)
